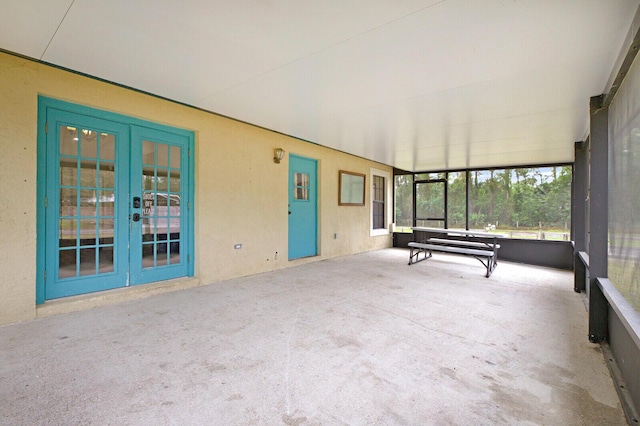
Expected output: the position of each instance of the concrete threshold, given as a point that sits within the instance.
(92, 300)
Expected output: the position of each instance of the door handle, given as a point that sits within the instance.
(136, 217)
(289, 212)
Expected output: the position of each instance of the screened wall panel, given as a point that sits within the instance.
(624, 195)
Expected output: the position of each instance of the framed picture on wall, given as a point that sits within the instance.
(351, 189)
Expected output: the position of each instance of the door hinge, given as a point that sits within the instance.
(46, 127)
(46, 202)
(189, 205)
(189, 152)
(45, 276)
(188, 258)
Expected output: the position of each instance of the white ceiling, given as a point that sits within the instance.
(416, 84)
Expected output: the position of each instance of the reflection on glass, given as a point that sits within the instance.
(68, 141)
(88, 173)
(301, 179)
(106, 228)
(107, 146)
(68, 201)
(68, 231)
(107, 202)
(301, 194)
(106, 259)
(67, 263)
(68, 173)
(174, 154)
(107, 175)
(148, 179)
(87, 261)
(175, 181)
(162, 182)
(88, 143)
(163, 155)
(148, 152)
(87, 231)
(88, 202)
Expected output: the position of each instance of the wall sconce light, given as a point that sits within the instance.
(278, 154)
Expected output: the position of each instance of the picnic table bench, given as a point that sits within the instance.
(485, 250)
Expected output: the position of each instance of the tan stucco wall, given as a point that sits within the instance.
(240, 193)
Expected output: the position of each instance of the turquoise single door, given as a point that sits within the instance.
(115, 208)
(303, 207)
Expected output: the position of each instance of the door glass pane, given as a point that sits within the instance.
(162, 181)
(107, 203)
(107, 146)
(160, 205)
(88, 143)
(88, 202)
(301, 190)
(88, 173)
(163, 154)
(174, 155)
(68, 201)
(68, 172)
(68, 141)
(148, 152)
(106, 259)
(107, 175)
(174, 182)
(68, 232)
(87, 261)
(67, 262)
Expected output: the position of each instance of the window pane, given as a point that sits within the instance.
(532, 203)
(430, 200)
(457, 200)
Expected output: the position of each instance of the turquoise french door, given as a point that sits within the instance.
(303, 207)
(116, 204)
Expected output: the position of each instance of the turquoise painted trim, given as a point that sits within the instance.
(41, 174)
(46, 103)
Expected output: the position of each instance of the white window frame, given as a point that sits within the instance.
(387, 203)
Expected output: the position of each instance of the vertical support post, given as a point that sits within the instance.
(466, 210)
(598, 218)
(579, 195)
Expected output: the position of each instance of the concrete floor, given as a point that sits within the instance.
(360, 340)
